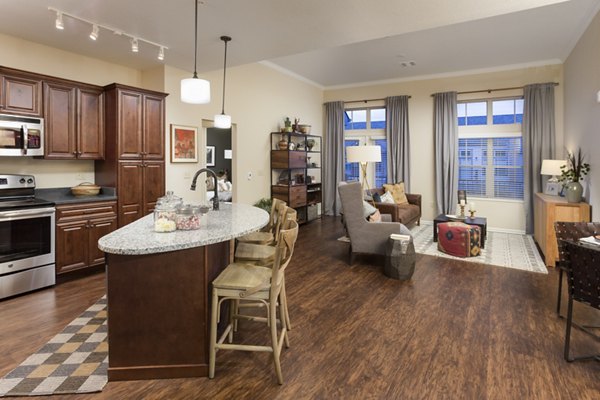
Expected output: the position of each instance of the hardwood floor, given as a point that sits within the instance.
(455, 331)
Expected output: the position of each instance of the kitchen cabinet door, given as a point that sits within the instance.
(130, 124)
(97, 229)
(71, 246)
(59, 121)
(90, 124)
(21, 95)
(154, 138)
(130, 191)
(154, 184)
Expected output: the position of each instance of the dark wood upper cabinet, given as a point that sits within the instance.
(59, 120)
(21, 94)
(74, 121)
(154, 122)
(130, 138)
(90, 123)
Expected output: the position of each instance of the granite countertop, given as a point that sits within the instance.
(230, 221)
(64, 196)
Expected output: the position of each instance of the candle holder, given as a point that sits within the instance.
(472, 212)
(462, 211)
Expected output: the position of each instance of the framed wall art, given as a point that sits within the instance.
(210, 156)
(184, 144)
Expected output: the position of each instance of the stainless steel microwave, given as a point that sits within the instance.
(21, 135)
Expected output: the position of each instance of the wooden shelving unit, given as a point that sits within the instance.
(296, 172)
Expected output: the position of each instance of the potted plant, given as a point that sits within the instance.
(571, 174)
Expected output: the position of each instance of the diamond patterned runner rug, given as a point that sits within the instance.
(74, 361)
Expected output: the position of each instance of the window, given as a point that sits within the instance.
(365, 118)
(490, 148)
(366, 126)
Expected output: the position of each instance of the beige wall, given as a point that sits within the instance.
(582, 111)
(28, 56)
(258, 98)
(503, 215)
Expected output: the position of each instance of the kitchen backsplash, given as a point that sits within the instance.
(50, 173)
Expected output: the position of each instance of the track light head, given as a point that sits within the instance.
(134, 45)
(161, 53)
(94, 34)
(59, 21)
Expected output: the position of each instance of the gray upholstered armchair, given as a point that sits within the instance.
(365, 237)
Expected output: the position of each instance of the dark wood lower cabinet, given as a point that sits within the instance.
(78, 228)
(141, 183)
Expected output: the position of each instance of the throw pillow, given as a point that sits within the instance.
(397, 191)
(387, 198)
(375, 217)
(368, 209)
(376, 198)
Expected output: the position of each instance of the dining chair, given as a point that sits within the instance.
(569, 231)
(582, 264)
(240, 281)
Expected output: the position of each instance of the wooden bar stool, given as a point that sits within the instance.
(269, 233)
(264, 255)
(241, 281)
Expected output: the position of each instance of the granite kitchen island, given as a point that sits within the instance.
(158, 289)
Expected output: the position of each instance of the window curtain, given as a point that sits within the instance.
(539, 138)
(333, 156)
(397, 134)
(446, 151)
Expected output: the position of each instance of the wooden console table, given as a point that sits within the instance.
(548, 210)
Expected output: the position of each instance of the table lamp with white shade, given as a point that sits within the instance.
(363, 155)
(552, 167)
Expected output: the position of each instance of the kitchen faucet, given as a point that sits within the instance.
(215, 199)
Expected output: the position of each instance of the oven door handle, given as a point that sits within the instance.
(35, 212)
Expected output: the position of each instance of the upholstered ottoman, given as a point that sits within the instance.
(459, 239)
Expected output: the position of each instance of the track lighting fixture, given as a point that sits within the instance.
(134, 45)
(95, 32)
(195, 90)
(59, 21)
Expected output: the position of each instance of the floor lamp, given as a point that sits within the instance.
(363, 155)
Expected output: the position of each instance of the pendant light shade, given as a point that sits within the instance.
(195, 90)
(223, 121)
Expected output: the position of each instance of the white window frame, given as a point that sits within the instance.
(366, 136)
(490, 130)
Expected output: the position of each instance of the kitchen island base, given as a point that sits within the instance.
(159, 312)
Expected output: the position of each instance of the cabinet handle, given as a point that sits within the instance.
(75, 153)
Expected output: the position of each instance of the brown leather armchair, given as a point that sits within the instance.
(406, 214)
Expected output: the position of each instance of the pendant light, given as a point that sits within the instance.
(223, 121)
(195, 90)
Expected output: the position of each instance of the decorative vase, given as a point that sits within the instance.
(573, 192)
(283, 144)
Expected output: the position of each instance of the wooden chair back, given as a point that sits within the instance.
(283, 255)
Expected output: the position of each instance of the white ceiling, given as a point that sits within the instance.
(331, 43)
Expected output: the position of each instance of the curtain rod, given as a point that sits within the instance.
(366, 100)
(494, 90)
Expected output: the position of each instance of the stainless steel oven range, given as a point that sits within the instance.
(27, 260)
